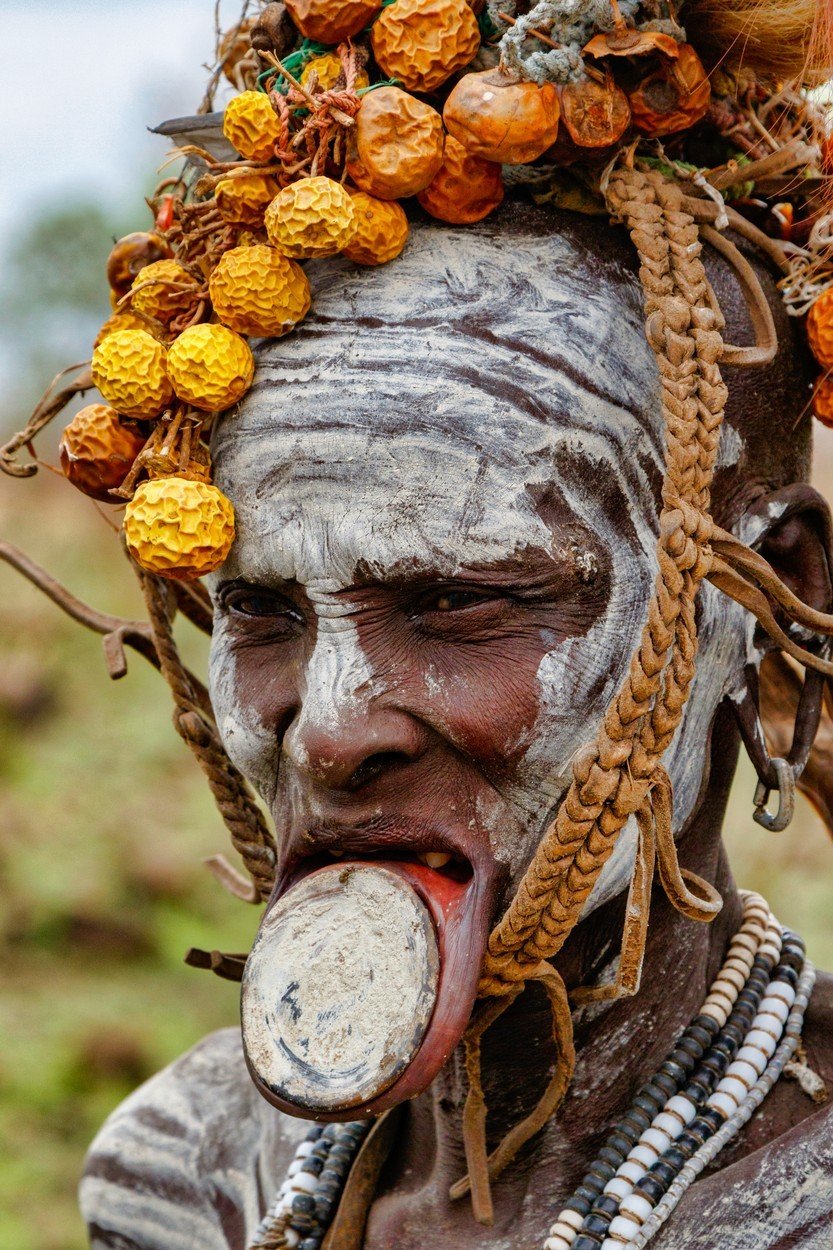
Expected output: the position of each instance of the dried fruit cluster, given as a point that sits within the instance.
(332, 128)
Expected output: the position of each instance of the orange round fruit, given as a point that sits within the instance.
(466, 188)
(257, 291)
(332, 21)
(500, 120)
(595, 114)
(397, 144)
(251, 126)
(820, 329)
(242, 200)
(131, 254)
(421, 43)
(381, 230)
(823, 401)
(97, 450)
(673, 97)
(125, 320)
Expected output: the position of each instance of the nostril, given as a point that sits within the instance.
(374, 766)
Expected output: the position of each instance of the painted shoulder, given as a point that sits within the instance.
(190, 1159)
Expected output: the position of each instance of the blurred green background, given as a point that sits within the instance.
(104, 817)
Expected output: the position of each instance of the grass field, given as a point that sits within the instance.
(104, 819)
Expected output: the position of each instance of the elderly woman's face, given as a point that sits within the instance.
(446, 497)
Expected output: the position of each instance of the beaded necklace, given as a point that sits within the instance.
(716, 1075)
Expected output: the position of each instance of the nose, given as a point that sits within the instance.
(343, 736)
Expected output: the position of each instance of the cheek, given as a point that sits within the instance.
(243, 697)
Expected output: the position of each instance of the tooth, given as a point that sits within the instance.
(435, 859)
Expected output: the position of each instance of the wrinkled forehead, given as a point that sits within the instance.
(426, 408)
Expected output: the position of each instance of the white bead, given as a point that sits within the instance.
(752, 1056)
(645, 1155)
(780, 989)
(744, 1072)
(722, 1103)
(636, 1207)
(773, 1006)
(771, 950)
(683, 1107)
(572, 1219)
(623, 1227)
(656, 1139)
(764, 1041)
(633, 1171)
(746, 942)
(304, 1182)
(734, 976)
(669, 1124)
(610, 1244)
(733, 1087)
(305, 1149)
(294, 1167)
(619, 1187)
(557, 1243)
(769, 1023)
(291, 1238)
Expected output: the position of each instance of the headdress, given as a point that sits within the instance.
(681, 125)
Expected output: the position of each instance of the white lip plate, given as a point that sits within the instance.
(339, 987)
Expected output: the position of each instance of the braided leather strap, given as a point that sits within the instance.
(613, 776)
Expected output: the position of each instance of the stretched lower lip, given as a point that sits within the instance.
(459, 902)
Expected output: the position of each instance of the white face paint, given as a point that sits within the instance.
(412, 424)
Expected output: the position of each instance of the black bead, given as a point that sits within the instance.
(663, 1172)
(690, 1046)
(716, 1064)
(792, 959)
(706, 1076)
(607, 1205)
(309, 1243)
(640, 1118)
(736, 1032)
(649, 1105)
(701, 1035)
(581, 1206)
(627, 1130)
(592, 1182)
(583, 1191)
(687, 1144)
(651, 1187)
(585, 1242)
(696, 1092)
(684, 1058)
(621, 1141)
(674, 1157)
(604, 1172)
(608, 1155)
(789, 975)
(331, 1132)
(674, 1070)
(596, 1225)
(725, 1046)
(665, 1083)
(303, 1204)
(314, 1132)
(313, 1165)
(712, 1117)
(320, 1151)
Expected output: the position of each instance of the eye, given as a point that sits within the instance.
(450, 600)
(260, 603)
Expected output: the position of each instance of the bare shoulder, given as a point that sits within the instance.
(189, 1159)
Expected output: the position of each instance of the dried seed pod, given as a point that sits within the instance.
(397, 144)
(128, 367)
(251, 125)
(97, 450)
(311, 218)
(164, 290)
(673, 97)
(328, 69)
(179, 528)
(210, 367)
(823, 401)
(466, 188)
(625, 41)
(273, 31)
(257, 291)
(820, 329)
(332, 21)
(234, 46)
(501, 120)
(422, 43)
(595, 114)
(244, 199)
(131, 254)
(125, 320)
(381, 230)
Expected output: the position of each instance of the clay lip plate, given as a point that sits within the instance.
(340, 986)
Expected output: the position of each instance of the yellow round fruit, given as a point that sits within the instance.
(381, 230)
(251, 126)
(820, 329)
(422, 43)
(243, 200)
(210, 367)
(397, 144)
(179, 528)
(128, 367)
(328, 69)
(465, 190)
(125, 320)
(97, 450)
(259, 292)
(164, 290)
(311, 218)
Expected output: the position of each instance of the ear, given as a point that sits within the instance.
(779, 715)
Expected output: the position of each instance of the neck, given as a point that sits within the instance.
(618, 1047)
